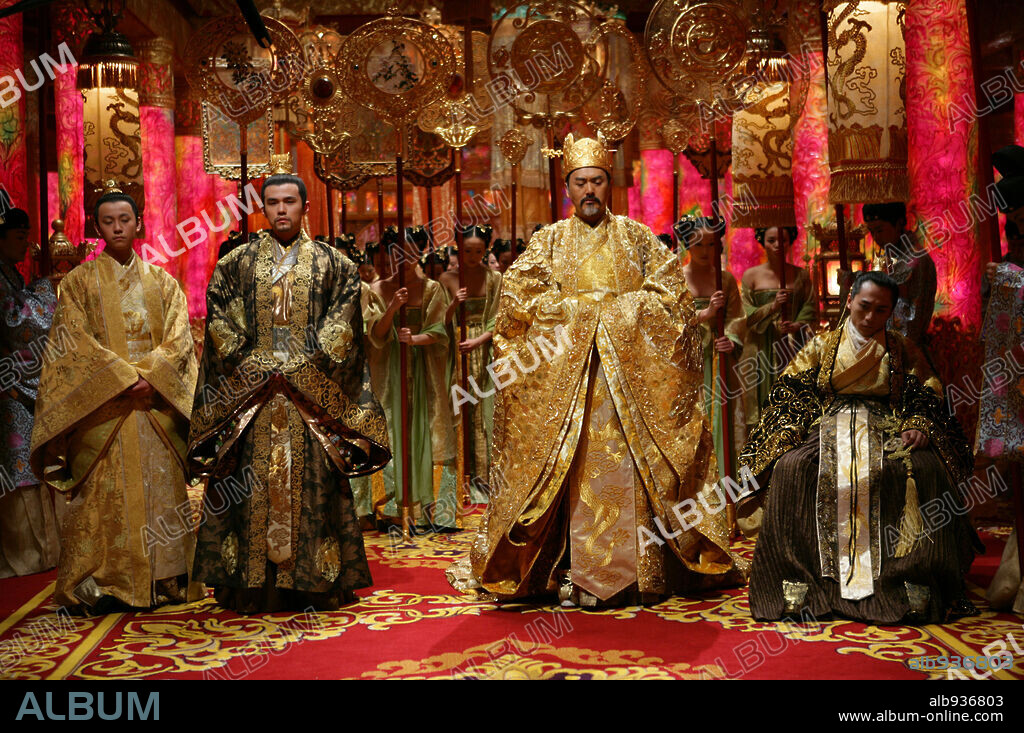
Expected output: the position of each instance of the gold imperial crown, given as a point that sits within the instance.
(587, 152)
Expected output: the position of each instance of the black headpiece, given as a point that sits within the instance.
(688, 226)
(481, 231)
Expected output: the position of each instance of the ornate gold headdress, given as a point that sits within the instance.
(587, 152)
(110, 186)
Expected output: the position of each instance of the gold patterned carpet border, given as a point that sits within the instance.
(411, 625)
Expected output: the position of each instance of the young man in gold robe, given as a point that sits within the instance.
(856, 440)
(283, 415)
(111, 422)
(602, 433)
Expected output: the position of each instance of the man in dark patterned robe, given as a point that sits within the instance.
(863, 517)
(283, 416)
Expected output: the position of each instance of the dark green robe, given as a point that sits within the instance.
(325, 412)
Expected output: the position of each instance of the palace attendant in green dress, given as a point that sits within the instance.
(431, 435)
(696, 235)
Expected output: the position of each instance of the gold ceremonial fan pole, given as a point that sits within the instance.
(513, 145)
(457, 134)
(396, 100)
(403, 348)
(695, 49)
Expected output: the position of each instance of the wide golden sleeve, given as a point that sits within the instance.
(79, 375)
(528, 296)
(171, 368)
(664, 280)
(809, 357)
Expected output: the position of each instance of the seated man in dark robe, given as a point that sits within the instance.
(856, 441)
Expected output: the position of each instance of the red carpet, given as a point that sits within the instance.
(411, 624)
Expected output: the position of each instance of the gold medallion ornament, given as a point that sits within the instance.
(615, 109)
(696, 47)
(539, 60)
(395, 66)
(513, 145)
(229, 553)
(318, 112)
(328, 559)
(458, 106)
(231, 70)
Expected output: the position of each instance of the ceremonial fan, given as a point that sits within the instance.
(695, 49)
(397, 100)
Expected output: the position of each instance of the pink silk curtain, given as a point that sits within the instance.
(943, 163)
(70, 134)
(650, 201)
(161, 215)
(13, 154)
(198, 195)
(810, 161)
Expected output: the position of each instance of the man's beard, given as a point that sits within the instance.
(590, 207)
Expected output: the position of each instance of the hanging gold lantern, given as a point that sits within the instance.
(762, 130)
(867, 117)
(762, 158)
(108, 80)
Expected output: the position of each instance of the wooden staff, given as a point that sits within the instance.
(380, 223)
(430, 220)
(723, 370)
(243, 155)
(330, 214)
(723, 367)
(782, 271)
(515, 191)
(553, 177)
(344, 211)
(844, 256)
(675, 197)
(403, 348)
(464, 437)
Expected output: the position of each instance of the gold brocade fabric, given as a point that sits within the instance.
(620, 297)
(805, 392)
(864, 372)
(284, 404)
(602, 501)
(119, 461)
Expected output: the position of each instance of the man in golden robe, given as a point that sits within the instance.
(283, 415)
(597, 443)
(111, 422)
(862, 517)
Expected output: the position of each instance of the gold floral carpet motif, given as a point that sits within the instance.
(411, 624)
